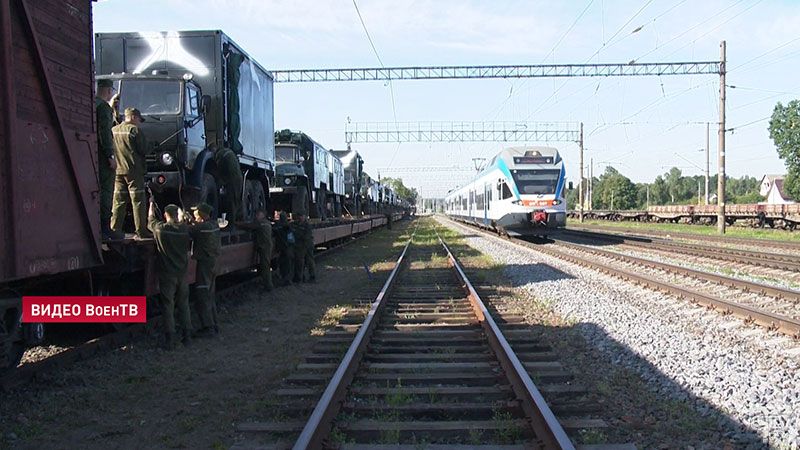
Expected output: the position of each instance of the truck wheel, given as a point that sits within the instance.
(259, 197)
(300, 202)
(322, 205)
(210, 194)
(248, 203)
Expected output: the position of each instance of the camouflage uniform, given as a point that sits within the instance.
(105, 151)
(304, 251)
(130, 148)
(262, 234)
(230, 174)
(205, 250)
(285, 244)
(172, 241)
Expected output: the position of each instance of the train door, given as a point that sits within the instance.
(485, 204)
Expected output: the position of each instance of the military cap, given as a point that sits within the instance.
(105, 84)
(133, 112)
(171, 209)
(204, 208)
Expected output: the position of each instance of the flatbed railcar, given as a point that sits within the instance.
(785, 216)
(521, 191)
(51, 242)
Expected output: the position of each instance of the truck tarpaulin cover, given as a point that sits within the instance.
(249, 92)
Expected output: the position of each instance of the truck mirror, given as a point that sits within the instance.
(205, 101)
(570, 186)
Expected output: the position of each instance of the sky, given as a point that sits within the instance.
(640, 125)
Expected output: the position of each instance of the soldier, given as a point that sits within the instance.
(262, 235)
(285, 241)
(230, 175)
(105, 156)
(172, 242)
(304, 250)
(130, 148)
(205, 249)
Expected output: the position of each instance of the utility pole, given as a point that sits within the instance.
(707, 161)
(698, 192)
(580, 191)
(612, 200)
(591, 182)
(648, 196)
(721, 176)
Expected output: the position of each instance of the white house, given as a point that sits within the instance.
(772, 189)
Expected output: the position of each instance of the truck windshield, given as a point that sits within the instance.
(284, 153)
(151, 97)
(536, 182)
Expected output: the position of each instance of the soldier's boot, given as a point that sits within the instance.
(107, 234)
(169, 341)
(187, 337)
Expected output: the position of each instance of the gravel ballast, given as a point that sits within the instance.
(683, 351)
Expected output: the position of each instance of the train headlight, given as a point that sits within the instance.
(556, 202)
(287, 181)
(167, 158)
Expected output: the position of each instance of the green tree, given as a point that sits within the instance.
(784, 130)
(406, 193)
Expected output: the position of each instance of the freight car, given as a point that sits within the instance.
(786, 216)
(50, 229)
(521, 190)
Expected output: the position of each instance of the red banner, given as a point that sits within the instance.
(84, 309)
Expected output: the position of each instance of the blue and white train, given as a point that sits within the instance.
(521, 191)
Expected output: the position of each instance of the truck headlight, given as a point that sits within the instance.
(167, 158)
(287, 181)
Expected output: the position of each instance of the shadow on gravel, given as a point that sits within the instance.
(539, 272)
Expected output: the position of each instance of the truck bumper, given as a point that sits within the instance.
(160, 181)
(288, 190)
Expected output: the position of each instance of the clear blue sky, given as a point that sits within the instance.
(636, 124)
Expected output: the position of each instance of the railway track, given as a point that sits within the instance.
(790, 263)
(726, 240)
(431, 364)
(769, 306)
(27, 372)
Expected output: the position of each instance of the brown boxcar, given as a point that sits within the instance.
(49, 184)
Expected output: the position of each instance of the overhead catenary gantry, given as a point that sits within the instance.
(534, 71)
(442, 131)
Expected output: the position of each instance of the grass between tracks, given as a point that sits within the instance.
(734, 231)
(142, 397)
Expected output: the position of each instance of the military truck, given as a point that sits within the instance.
(195, 89)
(353, 172)
(369, 194)
(308, 178)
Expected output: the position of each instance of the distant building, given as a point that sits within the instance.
(772, 190)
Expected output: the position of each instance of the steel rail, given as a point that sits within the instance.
(756, 258)
(748, 286)
(756, 242)
(319, 423)
(778, 322)
(544, 423)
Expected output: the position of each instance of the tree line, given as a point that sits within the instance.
(613, 190)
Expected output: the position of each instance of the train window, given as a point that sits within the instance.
(536, 181)
(506, 191)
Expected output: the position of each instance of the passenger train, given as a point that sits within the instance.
(520, 191)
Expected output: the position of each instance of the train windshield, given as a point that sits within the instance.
(285, 153)
(151, 97)
(536, 182)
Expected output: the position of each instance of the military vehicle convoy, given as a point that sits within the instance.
(195, 89)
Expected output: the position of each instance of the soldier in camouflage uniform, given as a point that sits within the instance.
(130, 148)
(229, 175)
(205, 249)
(107, 164)
(304, 250)
(262, 235)
(172, 242)
(285, 243)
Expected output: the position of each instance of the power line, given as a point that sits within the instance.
(764, 54)
(568, 30)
